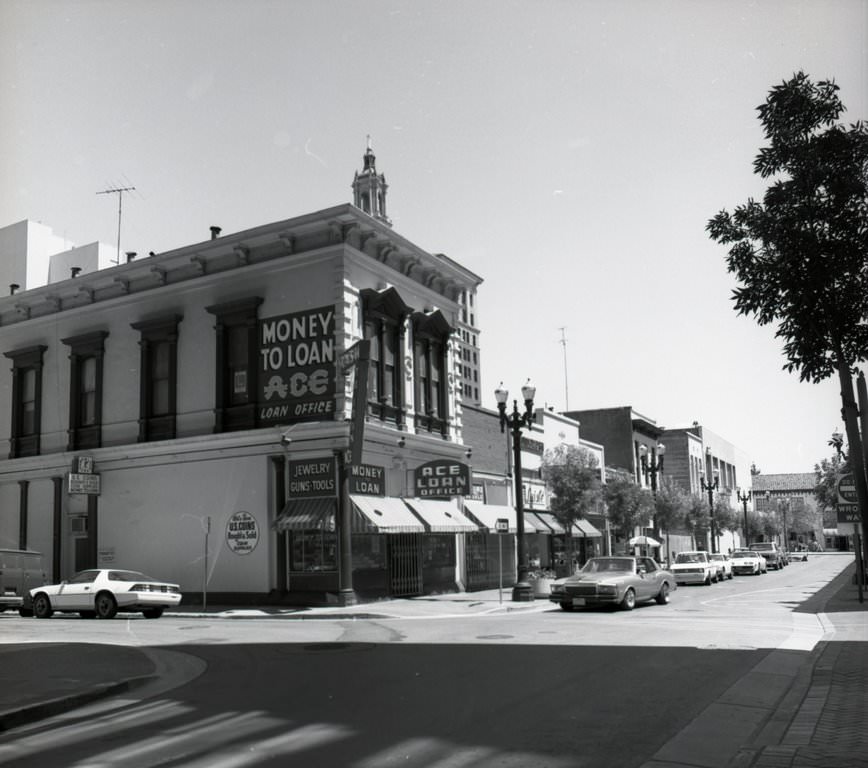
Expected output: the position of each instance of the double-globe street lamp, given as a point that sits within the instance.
(522, 591)
(711, 488)
(744, 499)
(650, 468)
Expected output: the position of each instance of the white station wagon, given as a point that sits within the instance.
(693, 568)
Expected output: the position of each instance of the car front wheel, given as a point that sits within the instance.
(42, 607)
(105, 605)
(629, 601)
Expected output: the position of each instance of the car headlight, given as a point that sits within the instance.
(607, 589)
(557, 589)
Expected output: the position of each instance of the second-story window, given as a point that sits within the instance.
(158, 377)
(26, 401)
(85, 390)
(384, 316)
(235, 376)
(430, 345)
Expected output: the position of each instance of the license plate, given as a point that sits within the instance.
(578, 602)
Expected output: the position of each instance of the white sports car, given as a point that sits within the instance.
(747, 562)
(102, 592)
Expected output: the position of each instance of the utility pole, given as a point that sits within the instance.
(120, 193)
(566, 388)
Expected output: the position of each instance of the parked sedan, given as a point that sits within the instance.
(103, 592)
(694, 568)
(799, 554)
(723, 563)
(747, 562)
(618, 581)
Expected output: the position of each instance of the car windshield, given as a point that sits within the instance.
(128, 576)
(760, 546)
(601, 564)
(717, 557)
(743, 553)
(690, 557)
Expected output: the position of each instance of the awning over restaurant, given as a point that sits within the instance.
(487, 515)
(441, 516)
(307, 514)
(584, 528)
(383, 514)
(551, 521)
(532, 524)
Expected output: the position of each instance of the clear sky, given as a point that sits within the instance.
(568, 152)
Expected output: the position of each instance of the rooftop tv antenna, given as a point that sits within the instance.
(120, 193)
(566, 388)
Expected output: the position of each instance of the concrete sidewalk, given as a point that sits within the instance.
(791, 711)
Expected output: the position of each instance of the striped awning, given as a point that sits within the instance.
(306, 515)
(584, 528)
(441, 516)
(551, 521)
(533, 524)
(383, 514)
(487, 515)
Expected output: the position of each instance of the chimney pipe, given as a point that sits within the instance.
(73, 271)
(13, 287)
(130, 256)
(215, 232)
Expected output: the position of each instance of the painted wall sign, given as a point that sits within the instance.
(297, 366)
(313, 478)
(367, 479)
(242, 533)
(442, 478)
(87, 484)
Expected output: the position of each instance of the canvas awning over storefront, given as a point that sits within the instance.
(584, 528)
(551, 521)
(441, 516)
(532, 524)
(487, 515)
(306, 515)
(383, 514)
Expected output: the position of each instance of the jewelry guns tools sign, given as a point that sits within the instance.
(297, 367)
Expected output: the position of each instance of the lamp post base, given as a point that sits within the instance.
(522, 592)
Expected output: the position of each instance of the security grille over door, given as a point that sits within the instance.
(405, 564)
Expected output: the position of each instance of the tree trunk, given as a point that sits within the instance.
(857, 461)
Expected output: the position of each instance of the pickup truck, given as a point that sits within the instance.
(770, 551)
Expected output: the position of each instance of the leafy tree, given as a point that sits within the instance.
(572, 476)
(696, 519)
(826, 489)
(670, 505)
(801, 255)
(628, 505)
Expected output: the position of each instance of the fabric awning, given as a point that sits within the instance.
(383, 514)
(306, 515)
(532, 524)
(584, 528)
(441, 516)
(486, 515)
(551, 521)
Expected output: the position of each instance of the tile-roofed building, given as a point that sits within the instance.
(791, 494)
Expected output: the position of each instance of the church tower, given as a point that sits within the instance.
(369, 188)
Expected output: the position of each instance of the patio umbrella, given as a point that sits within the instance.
(647, 541)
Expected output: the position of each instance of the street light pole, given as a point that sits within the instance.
(711, 489)
(744, 499)
(522, 591)
(650, 468)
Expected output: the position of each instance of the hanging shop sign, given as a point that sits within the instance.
(441, 478)
(313, 478)
(82, 479)
(297, 367)
(367, 479)
(242, 533)
(355, 362)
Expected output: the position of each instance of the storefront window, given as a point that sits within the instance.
(438, 551)
(313, 550)
(369, 552)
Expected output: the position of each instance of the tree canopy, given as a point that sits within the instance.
(572, 476)
(801, 255)
(628, 505)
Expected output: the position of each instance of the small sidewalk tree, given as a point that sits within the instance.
(627, 505)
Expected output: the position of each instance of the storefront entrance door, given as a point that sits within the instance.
(405, 564)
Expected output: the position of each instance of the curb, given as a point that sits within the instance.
(15, 717)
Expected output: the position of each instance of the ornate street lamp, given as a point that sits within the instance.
(711, 489)
(650, 468)
(744, 499)
(522, 591)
